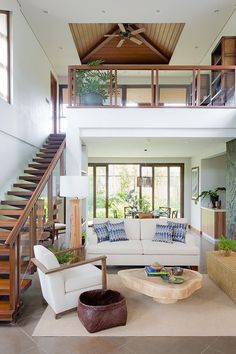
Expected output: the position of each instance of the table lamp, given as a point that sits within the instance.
(76, 188)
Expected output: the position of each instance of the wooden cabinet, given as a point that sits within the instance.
(223, 81)
(213, 222)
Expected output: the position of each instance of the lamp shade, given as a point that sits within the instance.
(144, 181)
(74, 186)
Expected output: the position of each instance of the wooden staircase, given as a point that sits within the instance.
(14, 215)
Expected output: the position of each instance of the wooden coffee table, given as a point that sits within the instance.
(160, 290)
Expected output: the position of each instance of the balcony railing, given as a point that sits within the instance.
(122, 86)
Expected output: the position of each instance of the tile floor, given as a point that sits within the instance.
(17, 339)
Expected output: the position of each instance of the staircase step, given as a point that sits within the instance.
(17, 203)
(51, 146)
(11, 212)
(7, 223)
(44, 150)
(30, 178)
(24, 194)
(3, 236)
(35, 172)
(5, 285)
(41, 160)
(25, 185)
(4, 250)
(47, 155)
(39, 166)
(5, 311)
(4, 267)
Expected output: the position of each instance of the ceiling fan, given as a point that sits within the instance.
(125, 33)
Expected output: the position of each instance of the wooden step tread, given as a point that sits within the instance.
(4, 235)
(4, 305)
(25, 185)
(42, 160)
(4, 250)
(5, 285)
(14, 202)
(30, 178)
(39, 166)
(20, 193)
(11, 212)
(7, 223)
(4, 267)
(35, 172)
(45, 155)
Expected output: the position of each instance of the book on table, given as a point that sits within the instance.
(153, 272)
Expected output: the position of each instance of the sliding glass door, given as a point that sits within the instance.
(113, 187)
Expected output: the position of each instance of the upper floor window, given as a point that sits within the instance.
(4, 56)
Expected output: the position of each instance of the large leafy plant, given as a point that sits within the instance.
(211, 193)
(226, 244)
(94, 81)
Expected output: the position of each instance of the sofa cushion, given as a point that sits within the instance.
(119, 247)
(82, 277)
(148, 226)
(179, 230)
(117, 231)
(132, 226)
(175, 248)
(163, 234)
(101, 231)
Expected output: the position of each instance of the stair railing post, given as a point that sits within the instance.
(50, 200)
(32, 230)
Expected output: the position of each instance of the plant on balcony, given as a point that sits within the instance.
(212, 194)
(93, 86)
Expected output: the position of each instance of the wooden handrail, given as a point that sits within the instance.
(22, 219)
(152, 67)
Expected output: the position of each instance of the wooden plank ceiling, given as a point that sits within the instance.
(158, 43)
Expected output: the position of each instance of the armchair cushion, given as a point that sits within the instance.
(82, 277)
(46, 257)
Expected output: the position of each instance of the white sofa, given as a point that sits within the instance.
(140, 249)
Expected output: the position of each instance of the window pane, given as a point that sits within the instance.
(175, 188)
(161, 187)
(90, 193)
(122, 180)
(146, 201)
(4, 56)
(100, 191)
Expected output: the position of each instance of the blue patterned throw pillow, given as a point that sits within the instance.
(179, 231)
(163, 234)
(101, 231)
(117, 232)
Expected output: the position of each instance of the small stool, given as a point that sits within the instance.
(102, 309)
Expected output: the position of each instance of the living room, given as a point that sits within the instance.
(146, 128)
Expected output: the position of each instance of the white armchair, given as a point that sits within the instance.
(62, 285)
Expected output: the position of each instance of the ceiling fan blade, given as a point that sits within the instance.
(135, 40)
(122, 27)
(137, 31)
(111, 35)
(121, 42)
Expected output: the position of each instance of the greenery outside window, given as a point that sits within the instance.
(4, 56)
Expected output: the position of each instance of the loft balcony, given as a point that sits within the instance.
(152, 86)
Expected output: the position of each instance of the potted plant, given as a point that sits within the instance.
(212, 194)
(92, 86)
(63, 255)
(226, 245)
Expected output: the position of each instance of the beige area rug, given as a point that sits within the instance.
(208, 312)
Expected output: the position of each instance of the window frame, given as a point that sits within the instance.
(8, 99)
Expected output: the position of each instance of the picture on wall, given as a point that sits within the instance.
(195, 182)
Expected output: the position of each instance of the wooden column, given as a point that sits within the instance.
(75, 239)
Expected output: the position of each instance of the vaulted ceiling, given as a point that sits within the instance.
(156, 43)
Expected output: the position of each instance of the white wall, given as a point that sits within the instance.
(26, 121)
(212, 174)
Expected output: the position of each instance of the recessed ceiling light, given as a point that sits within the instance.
(103, 11)
(216, 11)
(45, 11)
(61, 48)
(145, 149)
(196, 47)
(158, 11)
